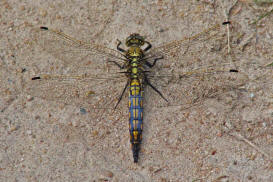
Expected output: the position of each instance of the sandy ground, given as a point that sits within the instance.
(226, 137)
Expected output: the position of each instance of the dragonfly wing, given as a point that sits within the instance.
(171, 49)
(192, 70)
(70, 50)
(10, 85)
(91, 92)
(190, 88)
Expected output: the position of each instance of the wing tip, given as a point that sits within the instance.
(226, 23)
(36, 78)
(44, 28)
(233, 70)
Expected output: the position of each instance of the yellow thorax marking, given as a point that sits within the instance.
(134, 51)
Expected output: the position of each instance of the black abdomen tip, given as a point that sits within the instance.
(135, 148)
(44, 28)
(36, 78)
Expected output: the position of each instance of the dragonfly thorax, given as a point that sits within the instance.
(135, 52)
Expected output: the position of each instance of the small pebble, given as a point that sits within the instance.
(29, 132)
(43, 12)
(107, 173)
(75, 123)
(95, 133)
(83, 111)
(58, 17)
(161, 30)
(29, 98)
(22, 8)
(213, 152)
(13, 128)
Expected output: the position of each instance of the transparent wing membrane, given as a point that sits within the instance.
(10, 85)
(190, 88)
(70, 50)
(174, 48)
(185, 76)
(88, 91)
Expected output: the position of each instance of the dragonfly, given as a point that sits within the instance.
(170, 74)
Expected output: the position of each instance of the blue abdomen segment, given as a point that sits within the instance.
(135, 116)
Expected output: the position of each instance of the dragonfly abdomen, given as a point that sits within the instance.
(135, 115)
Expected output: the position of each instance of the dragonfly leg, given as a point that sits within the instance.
(118, 46)
(121, 67)
(155, 60)
(155, 89)
(122, 94)
(148, 47)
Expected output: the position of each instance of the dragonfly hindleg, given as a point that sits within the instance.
(154, 88)
(122, 94)
(155, 60)
(121, 67)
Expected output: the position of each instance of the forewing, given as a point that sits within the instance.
(192, 70)
(70, 50)
(172, 49)
(10, 85)
(89, 91)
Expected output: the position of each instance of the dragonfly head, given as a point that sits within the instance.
(135, 39)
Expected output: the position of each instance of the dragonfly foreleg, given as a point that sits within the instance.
(118, 46)
(122, 94)
(148, 47)
(154, 88)
(155, 60)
